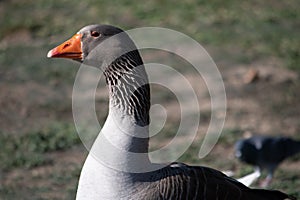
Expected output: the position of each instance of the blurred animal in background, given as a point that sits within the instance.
(266, 153)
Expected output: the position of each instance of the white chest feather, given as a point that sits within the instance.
(106, 173)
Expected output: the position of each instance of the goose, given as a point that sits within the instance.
(118, 164)
(266, 153)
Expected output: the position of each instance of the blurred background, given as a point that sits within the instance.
(256, 46)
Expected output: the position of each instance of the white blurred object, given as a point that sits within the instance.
(250, 178)
(228, 173)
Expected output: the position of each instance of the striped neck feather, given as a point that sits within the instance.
(129, 90)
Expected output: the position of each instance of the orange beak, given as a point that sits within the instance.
(69, 49)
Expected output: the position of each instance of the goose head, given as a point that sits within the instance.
(94, 45)
(112, 51)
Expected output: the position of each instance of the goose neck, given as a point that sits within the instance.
(129, 91)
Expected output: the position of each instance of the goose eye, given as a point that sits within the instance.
(95, 34)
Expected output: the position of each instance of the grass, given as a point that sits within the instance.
(28, 150)
(238, 32)
(289, 182)
(24, 67)
(22, 154)
(252, 31)
(44, 186)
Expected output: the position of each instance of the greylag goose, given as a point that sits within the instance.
(266, 153)
(125, 170)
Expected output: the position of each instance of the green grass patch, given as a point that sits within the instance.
(45, 186)
(287, 181)
(28, 150)
(230, 136)
(249, 31)
(22, 63)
